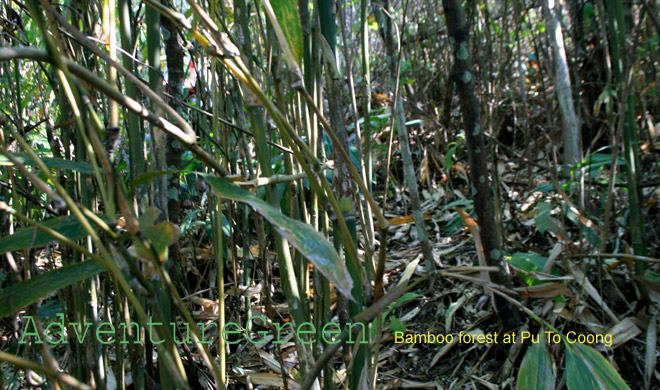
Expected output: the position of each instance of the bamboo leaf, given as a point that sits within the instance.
(16, 297)
(287, 15)
(536, 369)
(146, 177)
(587, 369)
(303, 237)
(650, 355)
(51, 162)
(67, 225)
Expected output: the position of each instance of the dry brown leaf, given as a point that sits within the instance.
(554, 253)
(269, 379)
(408, 384)
(582, 316)
(547, 290)
(591, 291)
(270, 361)
(405, 219)
(625, 330)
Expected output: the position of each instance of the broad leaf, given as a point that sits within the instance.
(287, 15)
(536, 369)
(587, 369)
(529, 262)
(542, 215)
(67, 225)
(396, 325)
(303, 237)
(16, 297)
(448, 157)
(160, 236)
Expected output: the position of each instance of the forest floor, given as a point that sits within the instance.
(592, 300)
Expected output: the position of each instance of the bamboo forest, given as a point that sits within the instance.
(329, 194)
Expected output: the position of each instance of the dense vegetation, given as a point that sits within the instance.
(319, 194)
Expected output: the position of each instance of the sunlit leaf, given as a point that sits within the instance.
(396, 325)
(527, 262)
(403, 299)
(311, 244)
(160, 236)
(287, 15)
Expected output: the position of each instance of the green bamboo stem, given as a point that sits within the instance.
(325, 195)
(75, 210)
(189, 143)
(105, 255)
(54, 375)
(109, 22)
(135, 139)
(220, 264)
(229, 55)
(617, 30)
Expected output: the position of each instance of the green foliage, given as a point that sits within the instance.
(31, 237)
(287, 15)
(588, 17)
(17, 296)
(395, 324)
(605, 98)
(529, 263)
(536, 371)
(456, 222)
(545, 187)
(50, 309)
(160, 236)
(450, 155)
(146, 177)
(595, 163)
(586, 369)
(311, 244)
(51, 163)
(542, 216)
(589, 232)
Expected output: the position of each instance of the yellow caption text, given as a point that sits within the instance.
(548, 337)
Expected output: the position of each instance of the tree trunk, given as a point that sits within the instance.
(482, 190)
(173, 148)
(159, 188)
(569, 123)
